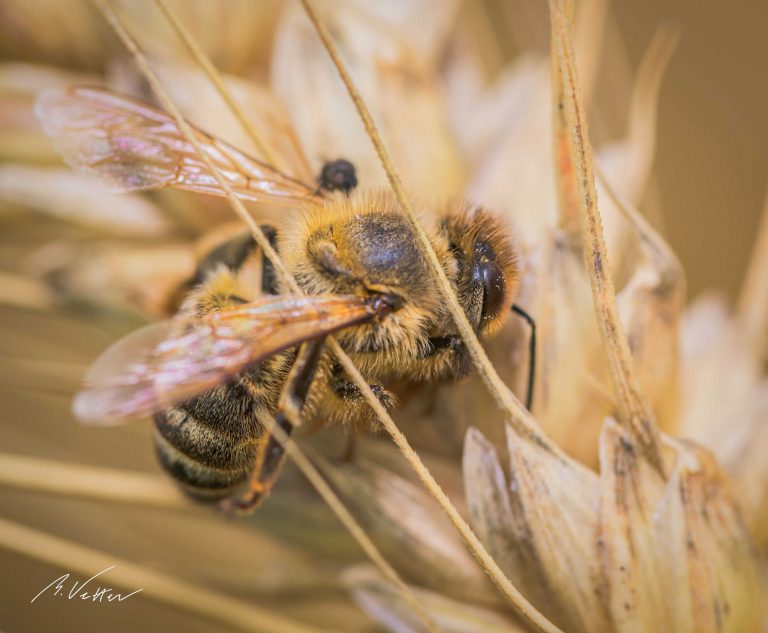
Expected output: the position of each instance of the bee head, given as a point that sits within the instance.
(364, 245)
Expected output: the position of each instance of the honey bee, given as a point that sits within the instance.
(214, 374)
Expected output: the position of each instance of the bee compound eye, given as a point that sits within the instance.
(487, 272)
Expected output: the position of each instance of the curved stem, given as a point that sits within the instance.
(261, 143)
(519, 417)
(634, 412)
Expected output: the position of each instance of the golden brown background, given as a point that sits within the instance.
(712, 154)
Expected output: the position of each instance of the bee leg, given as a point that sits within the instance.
(348, 392)
(232, 254)
(271, 453)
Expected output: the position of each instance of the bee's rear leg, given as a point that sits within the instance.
(271, 453)
(230, 255)
(233, 253)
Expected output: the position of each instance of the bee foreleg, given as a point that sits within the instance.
(354, 402)
(271, 453)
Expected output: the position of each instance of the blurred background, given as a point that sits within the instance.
(712, 155)
(706, 196)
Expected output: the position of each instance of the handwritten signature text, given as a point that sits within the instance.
(84, 590)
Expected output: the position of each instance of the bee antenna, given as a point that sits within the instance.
(531, 353)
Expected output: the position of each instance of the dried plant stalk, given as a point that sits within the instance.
(633, 410)
(519, 416)
(641, 136)
(259, 141)
(89, 482)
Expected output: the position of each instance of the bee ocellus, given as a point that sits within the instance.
(214, 374)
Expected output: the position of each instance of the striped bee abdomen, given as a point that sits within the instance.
(209, 444)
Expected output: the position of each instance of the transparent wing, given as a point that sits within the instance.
(130, 145)
(167, 363)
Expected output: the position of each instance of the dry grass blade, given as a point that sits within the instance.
(233, 614)
(89, 482)
(633, 410)
(271, 156)
(519, 417)
(380, 600)
(349, 522)
(752, 308)
(643, 110)
(65, 195)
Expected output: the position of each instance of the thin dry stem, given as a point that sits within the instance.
(752, 307)
(665, 259)
(89, 482)
(311, 474)
(519, 417)
(190, 598)
(350, 523)
(634, 411)
(261, 143)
